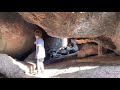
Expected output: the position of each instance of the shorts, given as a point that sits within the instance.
(40, 60)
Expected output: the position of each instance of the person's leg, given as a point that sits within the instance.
(38, 66)
(42, 67)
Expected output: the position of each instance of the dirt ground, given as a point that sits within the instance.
(107, 66)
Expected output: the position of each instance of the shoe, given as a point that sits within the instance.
(35, 72)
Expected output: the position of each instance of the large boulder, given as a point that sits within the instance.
(74, 24)
(103, 27)
(116, 39)
(12, 68)
(87, 50)
(16, 35)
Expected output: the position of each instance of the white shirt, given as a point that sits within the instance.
(41, 50)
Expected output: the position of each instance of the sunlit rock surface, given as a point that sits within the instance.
(12, 68)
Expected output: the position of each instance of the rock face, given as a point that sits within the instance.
(16, 36)
(103, 27)
(116, 39)
(31, 58)
(10, 67)
(87, 50)
(74, 25)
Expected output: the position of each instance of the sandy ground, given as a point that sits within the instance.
(107, 66)
(92, 67)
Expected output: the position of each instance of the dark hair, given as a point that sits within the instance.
(38, 33)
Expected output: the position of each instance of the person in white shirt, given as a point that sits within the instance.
(40, 51)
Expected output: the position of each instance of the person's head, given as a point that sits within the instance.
(38, 33)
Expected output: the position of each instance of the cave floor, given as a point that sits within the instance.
(106, 66)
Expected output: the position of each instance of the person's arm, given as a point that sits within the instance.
(37, 50)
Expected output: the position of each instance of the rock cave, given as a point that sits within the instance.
(66, 35)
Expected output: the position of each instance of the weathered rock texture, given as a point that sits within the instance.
(101, 27)
(16, 35)
(12, 68)
(31, 59)
(68, 24)
(88, 50)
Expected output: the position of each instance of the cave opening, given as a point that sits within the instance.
(58, 49)
(15, 34)
(54, 47)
